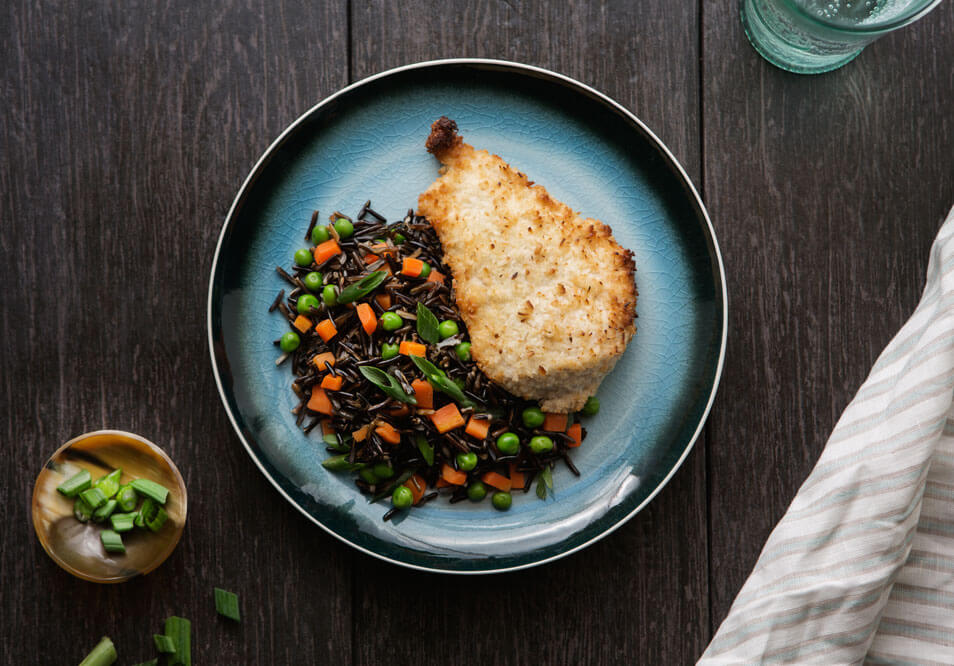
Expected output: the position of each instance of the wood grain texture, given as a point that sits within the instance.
(127, 129)
(826, 193)
(624, 599)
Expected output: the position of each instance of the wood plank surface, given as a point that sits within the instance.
(624, 599)
(126, 132)
(826, 193)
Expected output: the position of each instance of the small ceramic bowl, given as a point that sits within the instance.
(76, 546)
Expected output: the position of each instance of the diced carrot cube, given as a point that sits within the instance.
(517, 479)
(554, 422)
(326, 251)
(436, 276)
(478, 428)
(322, 358)
(412, 266)
(319, 402)
(400, 410)
(447, 418)
(369, 322)
(441, 483)
(302, 323)
(453, 476)
(576, 432)
(371, 258)
(326, 329)
(332, 383)
(498, 481)
(327, 427)
(388, 433)
(384, 300)
(361, 433)
(417, 487)
(409, 348)
(424, 393)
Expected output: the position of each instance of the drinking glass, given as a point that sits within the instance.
(814, 36)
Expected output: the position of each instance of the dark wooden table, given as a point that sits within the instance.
(127, 128)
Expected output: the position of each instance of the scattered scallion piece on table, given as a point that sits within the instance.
(164, 644)
(112, 541)
(105, 511)
(154, 491)
(226, 604)
(76, 484)
(102, 655)
(179, 630)
(109, 484)
(94, 497)
(123, 522)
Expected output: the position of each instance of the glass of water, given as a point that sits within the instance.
(814, 36)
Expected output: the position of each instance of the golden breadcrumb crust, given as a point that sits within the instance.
(547, 295)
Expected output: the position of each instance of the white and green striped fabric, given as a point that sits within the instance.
(861, 567)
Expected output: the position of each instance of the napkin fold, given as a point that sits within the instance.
(861, 567)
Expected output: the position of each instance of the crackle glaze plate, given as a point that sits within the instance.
(367, 142)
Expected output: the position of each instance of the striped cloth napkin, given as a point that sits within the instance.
(861, 567)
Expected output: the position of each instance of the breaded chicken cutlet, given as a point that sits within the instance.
(548, 296)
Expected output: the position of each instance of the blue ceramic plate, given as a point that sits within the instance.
(367, 142)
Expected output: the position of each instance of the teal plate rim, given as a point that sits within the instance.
(492, 564)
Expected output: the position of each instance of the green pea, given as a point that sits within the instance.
(313, 281)
(592, 406)
(319, 235)
(289, 342)
(425, 270)
(383, 471)
(402, 497)
(448, 329)
(303, 257)
(369, 476)
(391, 321)
(532, 417)
(502, 501)
(463, 351)
(541, 444)
(508, 443)
(330, 295)
(344, 228)
(399, 238)
(466, 461)
(476, 491)
(307, 303)
(388, 350)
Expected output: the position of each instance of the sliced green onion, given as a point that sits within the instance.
(156, 522)
(425, 448)
(387, 383)
(362, 287)
(81, 510)
(151, 489)
(112, 541)
(94, 497)
(343, 445)
(427, 325)
(76, 484)
(105, 511)
(164, 644)
(109, 484)
(341, 464)
(123, 522)
(226, 604)
(102, 655)
(179, 630)
(127, 498)
(547, 476)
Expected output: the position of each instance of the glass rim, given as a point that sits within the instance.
(865, 29)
